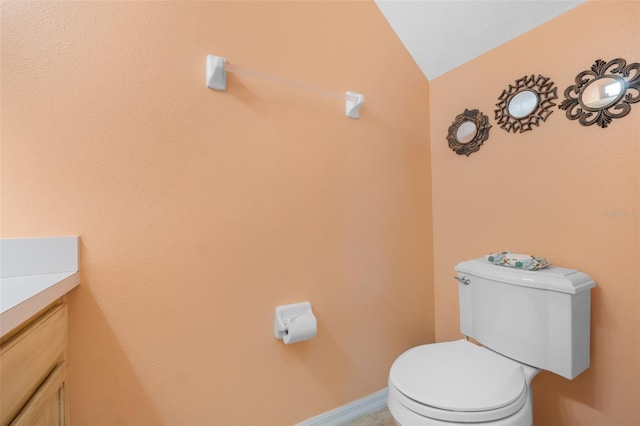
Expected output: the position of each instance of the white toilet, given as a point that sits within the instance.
(527, 321)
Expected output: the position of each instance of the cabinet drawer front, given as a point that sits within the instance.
(27, 359)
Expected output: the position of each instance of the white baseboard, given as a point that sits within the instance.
(350, 411)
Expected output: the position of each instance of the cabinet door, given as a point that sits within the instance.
(28, 359)
(47, 406)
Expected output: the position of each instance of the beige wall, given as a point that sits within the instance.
(550, 192)
(200, 211)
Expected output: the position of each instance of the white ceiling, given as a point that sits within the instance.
(444, 34)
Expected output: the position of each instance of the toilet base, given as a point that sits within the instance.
(405, 417)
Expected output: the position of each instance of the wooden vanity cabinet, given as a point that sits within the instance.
(33, 371)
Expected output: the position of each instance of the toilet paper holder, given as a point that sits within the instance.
(289, 311)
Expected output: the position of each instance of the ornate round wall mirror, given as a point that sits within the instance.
(526, 103)
(468, 132)
(603, 93)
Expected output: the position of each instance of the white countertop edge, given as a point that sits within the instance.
(34, 256)
(16, 315)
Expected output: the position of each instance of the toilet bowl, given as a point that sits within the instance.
(526, 321)
(459, 382)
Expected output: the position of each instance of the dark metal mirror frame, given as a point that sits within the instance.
(546, 93)
(482, 132)
(616, 69)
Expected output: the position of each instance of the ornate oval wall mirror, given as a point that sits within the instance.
(468, 132)
(603, 93)
(526, 103)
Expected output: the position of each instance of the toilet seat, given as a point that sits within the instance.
(458, 382)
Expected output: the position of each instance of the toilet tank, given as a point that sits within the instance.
(540, 318)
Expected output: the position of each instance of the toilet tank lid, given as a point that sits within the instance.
(553, 278)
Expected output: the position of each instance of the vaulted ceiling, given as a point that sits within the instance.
(444, 34)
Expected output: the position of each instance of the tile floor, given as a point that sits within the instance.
(378, 418)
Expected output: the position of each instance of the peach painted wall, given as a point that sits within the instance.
(200, 211)
(556, 192)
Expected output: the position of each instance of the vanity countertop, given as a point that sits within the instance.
(34, 273)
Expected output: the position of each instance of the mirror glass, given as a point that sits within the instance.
(466, 131)
(522, 104)
(601, 93)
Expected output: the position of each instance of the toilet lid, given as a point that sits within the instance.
(458, 376)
